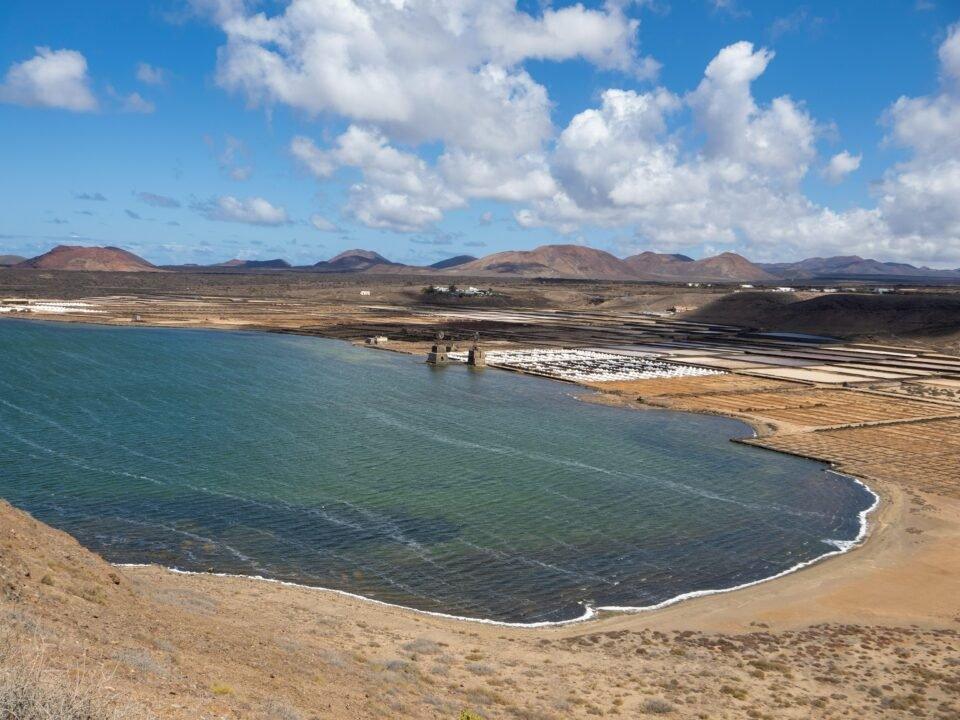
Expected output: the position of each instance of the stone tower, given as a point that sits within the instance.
(476, 356)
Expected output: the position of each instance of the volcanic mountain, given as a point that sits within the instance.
(452, 262)
(551, 261)
(253, 264)
(77, 257)
(10, 260)
(354, 261)
(726, 267)
(853, 266)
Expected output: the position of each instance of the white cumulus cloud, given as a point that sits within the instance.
(421, 70)
(52, 78)
(841, 165)
(399, 190)
(252, 210)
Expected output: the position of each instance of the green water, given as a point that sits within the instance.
(477, 493)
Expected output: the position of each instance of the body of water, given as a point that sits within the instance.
(482, 494)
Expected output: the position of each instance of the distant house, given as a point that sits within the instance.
(784, 289)
(377, 340)
(747, 287)
(364, 292)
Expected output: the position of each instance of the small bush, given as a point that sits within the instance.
(656, 706)
(422, 646)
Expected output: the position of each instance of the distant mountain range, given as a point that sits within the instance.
(278, 264)
(547, 261)
(853, 266)
(11, 260)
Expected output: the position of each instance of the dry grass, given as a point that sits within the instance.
(30, 689)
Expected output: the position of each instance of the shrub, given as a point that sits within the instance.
(656, 706)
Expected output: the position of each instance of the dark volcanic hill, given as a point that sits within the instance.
(551, 261)
(453, 262)
(278, 263)
(354, 261)
(726, 267)
(77, 257)
(853, 266)
(839, 315)
(10, 260)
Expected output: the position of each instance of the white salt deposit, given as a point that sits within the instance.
(588, 365)
(47, 307)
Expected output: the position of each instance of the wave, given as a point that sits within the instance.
(589, 611)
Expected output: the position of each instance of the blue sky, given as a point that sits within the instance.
(204, 130)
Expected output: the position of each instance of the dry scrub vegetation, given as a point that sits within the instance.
(31, 690)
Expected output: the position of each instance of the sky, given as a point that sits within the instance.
(195, 131)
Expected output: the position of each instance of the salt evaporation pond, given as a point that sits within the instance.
(480, 494)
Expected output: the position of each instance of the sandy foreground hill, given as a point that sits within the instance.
(873, 633)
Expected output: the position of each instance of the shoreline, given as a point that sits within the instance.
(591, 614)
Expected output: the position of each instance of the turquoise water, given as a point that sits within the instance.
(477, 493)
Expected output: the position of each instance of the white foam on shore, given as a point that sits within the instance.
(589, 612)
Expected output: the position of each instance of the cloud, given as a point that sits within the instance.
(53, 79)
(486, 218)
(399, 190)
(841, 165)
(95, 197)
(132, 215)
(920, 198)
(799, 20)
(252, 211)
(151, 75)
(420, 70)
(317, 162)
(621, 164)
(730, 7)
(497, 177)
(321, 223)
(161, 201)
(949, 54)
(136, 103)
(232, 159)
